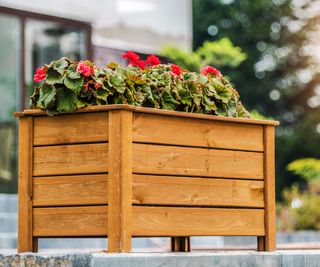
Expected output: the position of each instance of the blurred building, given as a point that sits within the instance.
(36, 32)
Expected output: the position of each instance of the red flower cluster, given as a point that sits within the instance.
(209, 69)
(85, 69)
(135, 60)
(41, 74)
(175, 70)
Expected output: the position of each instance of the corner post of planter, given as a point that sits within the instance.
(120, 181)
(268, 242)
(26, 242)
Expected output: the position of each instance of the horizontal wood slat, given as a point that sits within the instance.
(70, 159)
(70, 221)
(161, 190)
(70, 190)
(172, 221)
(156, 159)
(74, 128)
(149, 128)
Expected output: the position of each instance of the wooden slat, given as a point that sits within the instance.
(101, 108)
(155, 159)
(70, 159)
(120, 181)
(172, 221)
(74, 128)
(25, 239)
(197, 191)
(70, 190)
(149, 128)
(70, 221)
(269, 164)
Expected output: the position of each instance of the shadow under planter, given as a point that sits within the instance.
(119, 171)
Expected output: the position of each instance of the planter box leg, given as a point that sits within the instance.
(180, 244)
(120, 181)
(25, 238)
(261, 242)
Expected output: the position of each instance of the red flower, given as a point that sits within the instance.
(153, 60)
(131, 56)
(141, 64)
(97, 86)
(85, 69)
(87, 86)
(208, 69)
(175, 70)
(41, 74)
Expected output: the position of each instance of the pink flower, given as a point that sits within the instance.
(41, 74)
(175, 70)
(153, 60)
(131, 56)
(85, 69)
(209, 69)
(87, 86)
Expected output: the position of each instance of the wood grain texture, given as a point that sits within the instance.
(269, 164)
(156, 159)
(149, 128)
(70, 159)
(25, 239)
(197, 191)
(120, 181)
(39, 112)
(70, 190)
(73, 128)
(70, 221)
(172, 221)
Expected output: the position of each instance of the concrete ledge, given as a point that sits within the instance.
(301, 258)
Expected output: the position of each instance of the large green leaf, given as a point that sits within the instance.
(47, 96)
(72, 72)
(185, 96)
(60, 65)
(223, 92)
(66, 100)
(54, 77)
(167, 100)
(73, 84)
(118, 83)
(101, 94)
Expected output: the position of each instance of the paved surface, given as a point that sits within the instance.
(300, 258)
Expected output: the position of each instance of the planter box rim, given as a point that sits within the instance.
(39, 112)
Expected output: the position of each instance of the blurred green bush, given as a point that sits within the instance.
(300, 209)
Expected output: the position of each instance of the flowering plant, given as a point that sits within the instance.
(67, 86)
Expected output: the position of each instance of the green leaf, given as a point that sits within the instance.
(72, 72)
(208, 104)
(66, 100)
(223, 93)
(167, 101)
(60, 65)
(185, 97)
(118, 83)
(54, 77)
(74, 84)
(47, 96)
(80, 103)
(101, 94)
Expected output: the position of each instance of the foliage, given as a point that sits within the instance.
(281, 75)
(255, 114)
(219, 53)
(70, 85)
(308, 168)
(299, 210)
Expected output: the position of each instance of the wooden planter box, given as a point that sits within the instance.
(120, 172)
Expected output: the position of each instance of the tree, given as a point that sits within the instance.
(281, 77)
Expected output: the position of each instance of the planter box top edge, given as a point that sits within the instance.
(39, 112)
